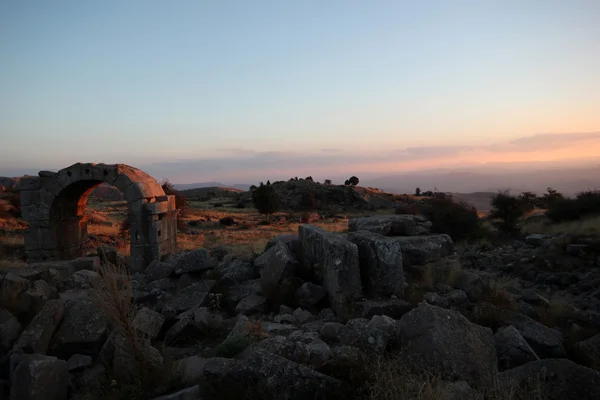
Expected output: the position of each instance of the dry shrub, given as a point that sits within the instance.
(440, 272)
(113, 295)
(556, 314)
(392, 378)
(497, 295)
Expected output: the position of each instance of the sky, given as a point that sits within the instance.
(236, 90)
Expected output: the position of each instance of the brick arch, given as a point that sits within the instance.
(54, 205)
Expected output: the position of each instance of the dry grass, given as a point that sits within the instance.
(445, 271)
(393, 379)
(586, 227)
(557, 313)
(497, 295)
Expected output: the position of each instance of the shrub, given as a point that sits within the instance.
(457, 219)
(565, 209)
(227, 221)
(506, 212)
(406, 208)
(265, 199)
(181, 201)
(352, 181)
(308, 202)
(327, 181)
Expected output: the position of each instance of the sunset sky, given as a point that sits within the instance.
(230, 90)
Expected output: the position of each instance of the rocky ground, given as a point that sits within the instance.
(384, 311)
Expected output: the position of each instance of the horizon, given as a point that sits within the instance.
(233, 92)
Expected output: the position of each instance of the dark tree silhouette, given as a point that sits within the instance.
(265, 199)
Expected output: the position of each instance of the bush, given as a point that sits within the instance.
(181, 201)
(227, 221)
(352, 181)
(506, 212)
(565, 209)
(457, 219)
(308, 202)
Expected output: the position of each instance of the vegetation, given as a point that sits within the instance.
(352, 181)
(506, 212)
(181, 202)
(265, 199)
(570, 209)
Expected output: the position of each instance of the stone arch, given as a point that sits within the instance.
(54, 204)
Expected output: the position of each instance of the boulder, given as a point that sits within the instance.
(337, 266)
(392, 308)
(277, 268)
(83, 330)
(149, 322)
(546, 342)
(391, 225)
(512, 349)
(346, 363)
(330, 331)
(126, 363)
(39, 377)
(78, 362)
(251, 305)
(36, 337)
(309, 294)
(271, 375)
(159, 270)
(190, 393)
(291, 241)
(445, 341)
(420, 250)
(12, 289)
(536, 239)
(236, 271)
(358, 333)
(553, 379)
(380, 263)
(84, 279)
(198, 260)
(234, 294)
(10, 328)
(588, 351)
(191, 296)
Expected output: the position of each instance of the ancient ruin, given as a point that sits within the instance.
(54, 204)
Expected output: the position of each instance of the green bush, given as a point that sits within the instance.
(265, 199)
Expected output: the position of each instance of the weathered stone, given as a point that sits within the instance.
(475, 284)
(588, 351)
(193, 261)
(84, 279)
(251, 305)
(358, 333)
(392, 308)
(330, 331)
(190, 393)
(546, 342)
(78, 362)
(236, 271)
(184, 331)
(273, 328)
(83, 330)
(125, 364)
(35, 339)
(159, 270)
(13, 288)
(387, 325)
(337, 266)
(9, 330)
(58, 229)
(309, 294)
(192, 296)
(553, 379)
(535, 239)
(303, 316)
(291, 241)
(512, 349)
(277, 267)
(86, 263)
(420, 250)
(391, 225)
(445, 341)
(39, 377)
(277, 376)
(285, 319)
(380, 263)
(206, 319)
(149, 322)
(347, 363)
(35, 297)
(236, 293)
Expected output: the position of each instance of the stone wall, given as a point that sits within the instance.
(53, 204)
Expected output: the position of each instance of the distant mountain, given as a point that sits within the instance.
(187, 186)
(568, 181)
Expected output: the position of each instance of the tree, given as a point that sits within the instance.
(308, 202)
(418, 192)
(268, 182)
(327, 181)
(309, 178)
(352, 181)
(551, 196)
(529, 200)
(506, 212)
(265, 199)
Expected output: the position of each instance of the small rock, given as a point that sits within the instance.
(193, 261)
(9, 330)
(309, 294)
(303, 316)
(251, 305)
(78, 362)
(39, 377)
(35, 339)
(149, 322)
(512, 349)
(159, 270)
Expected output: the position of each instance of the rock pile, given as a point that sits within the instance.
(303, 320)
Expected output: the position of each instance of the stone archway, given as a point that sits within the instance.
(54, 204)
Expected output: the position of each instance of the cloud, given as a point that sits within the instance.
(236, 165)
